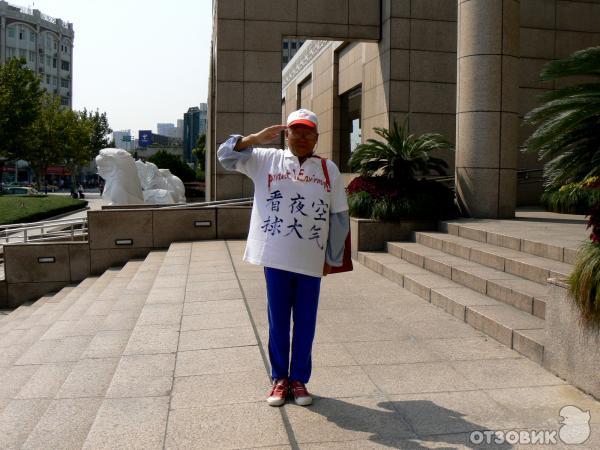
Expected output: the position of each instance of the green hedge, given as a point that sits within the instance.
(32, 208)
(573, 198)
(584, 284)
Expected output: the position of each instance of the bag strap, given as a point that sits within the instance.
(326, 173)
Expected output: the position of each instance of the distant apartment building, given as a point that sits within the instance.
(45, 43)
(125, 144)
(166, 129)
(179, 129)
(194, 124)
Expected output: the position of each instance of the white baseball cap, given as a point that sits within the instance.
(303, 117)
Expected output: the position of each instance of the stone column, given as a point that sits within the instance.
(487, 122)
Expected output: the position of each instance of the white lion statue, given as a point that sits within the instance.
(176, 186)
(155, 187)
(118, 169)
(160, 185)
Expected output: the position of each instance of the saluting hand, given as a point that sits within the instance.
(269, 134)
(265, 136)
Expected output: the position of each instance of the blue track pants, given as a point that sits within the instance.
(290, 295)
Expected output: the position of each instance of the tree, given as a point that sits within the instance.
(199, 153)
(200, 150)
(77, 150)
(400, 157)
(174, 163)
(49, 133)
(568, 123)
(100, 130)
(20, 103)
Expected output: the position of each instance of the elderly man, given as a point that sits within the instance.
(297, 231)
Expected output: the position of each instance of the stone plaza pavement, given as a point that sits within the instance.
(178, 358)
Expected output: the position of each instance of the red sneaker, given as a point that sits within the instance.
(301, 395)
(279, 392)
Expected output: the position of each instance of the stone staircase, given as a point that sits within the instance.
(494, 281)
(60, 355)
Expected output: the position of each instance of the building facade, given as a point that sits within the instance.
(179, 129)
(466, 69)
(44, 42)
(166, 129)
(194, 124)
(123, 139)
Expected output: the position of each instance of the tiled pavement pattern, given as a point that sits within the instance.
(170, 352)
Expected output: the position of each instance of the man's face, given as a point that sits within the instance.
(301, 139)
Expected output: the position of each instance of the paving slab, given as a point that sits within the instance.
(107, 344)
(143, 376)
(18, 419)
(215, 320)
(347, 420)
(220, 389)
(211, 427)
(130, 422)
(65, 424)
(218, 360)
(89, 378)
(46, 381)
(216, 338)
(152, 339)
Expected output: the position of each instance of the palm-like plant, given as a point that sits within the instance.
(568, 123)
(400, 157)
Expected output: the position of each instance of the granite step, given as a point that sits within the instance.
(44, 315)
(513, 237)
(83, 361)
(524, 265)
(30, 311)
(145, 362)
(525, 295)
(516, 329)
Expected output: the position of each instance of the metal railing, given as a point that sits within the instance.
(232, 202)
(63, 229)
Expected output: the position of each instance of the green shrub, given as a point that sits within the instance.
(175, 164)
(584, 283)
(360, 204)
(573, 198)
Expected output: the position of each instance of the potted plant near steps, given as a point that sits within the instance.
(566, 134)
(567, 137)
(388, 200)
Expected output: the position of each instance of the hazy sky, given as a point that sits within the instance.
(142, 61)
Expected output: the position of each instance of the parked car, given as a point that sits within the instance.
(19, 190)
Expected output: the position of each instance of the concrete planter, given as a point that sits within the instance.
(371, 235)
(571, 352)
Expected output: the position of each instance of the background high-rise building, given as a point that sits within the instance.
(194, 124)
(179, 129)
(44, 42)
(290, 47)
(166, 129)
(120, 143)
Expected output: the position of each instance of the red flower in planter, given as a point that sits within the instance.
(376, 187)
